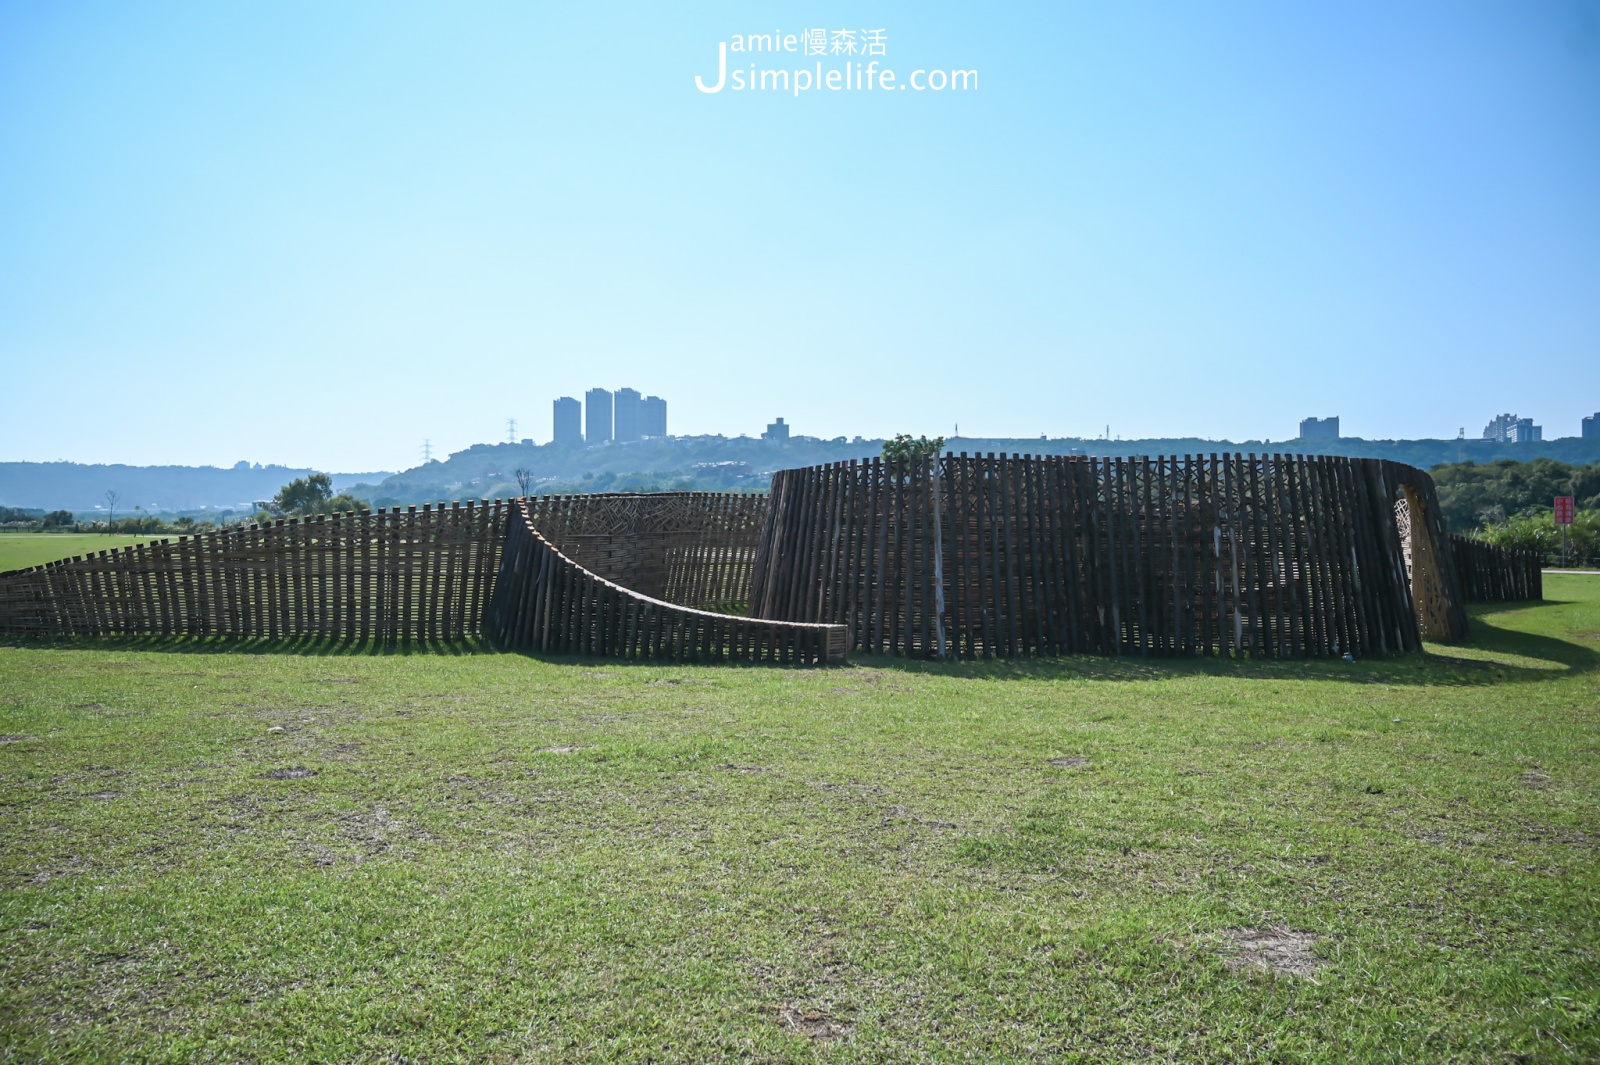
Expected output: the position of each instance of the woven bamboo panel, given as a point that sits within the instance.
(1269, 556)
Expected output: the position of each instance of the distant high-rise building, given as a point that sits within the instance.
(653, 417)
(627, 406)
(1319, 428)
(1591, 426)
(596, 416)
(1510, 429)
(776, 432)
(568, 422)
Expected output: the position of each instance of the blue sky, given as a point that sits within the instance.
(318, 234)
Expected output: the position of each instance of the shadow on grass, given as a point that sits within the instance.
(305, 646)
(1491, 654)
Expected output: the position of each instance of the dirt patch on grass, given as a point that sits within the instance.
(18, 739)
(729, 767)
(294, 772)
(1275, 950)
(556, 750)
(813, 1024)
(1071, 761)
(900, 813)
(1534, 779)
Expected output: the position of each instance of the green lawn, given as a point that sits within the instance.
(227, 855)
(21, 550)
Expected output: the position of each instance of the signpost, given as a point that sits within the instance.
(1564, 509)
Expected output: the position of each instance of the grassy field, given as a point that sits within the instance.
(252, 854)
(21, 550)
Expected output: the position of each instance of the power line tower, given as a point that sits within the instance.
(511, 430)
(427, 452)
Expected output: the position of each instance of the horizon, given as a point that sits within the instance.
(326, 236)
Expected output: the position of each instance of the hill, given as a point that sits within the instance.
(723, 464)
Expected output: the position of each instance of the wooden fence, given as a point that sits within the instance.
(982, 556)
(546, 602)
(423, 574)
(397, 574)
(1268, 556)
(1492, 574)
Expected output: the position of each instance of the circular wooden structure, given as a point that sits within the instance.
(965, 557)
(996, 555)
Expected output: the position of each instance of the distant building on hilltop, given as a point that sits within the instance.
(627, 407)
(653, 417)
(1591, 427)
(1319, 428)
(568, 427)
(596, 417)
(1510, 429)
(777, 432)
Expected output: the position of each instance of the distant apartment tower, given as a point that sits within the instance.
(596, 417)
(568, 428)
(653, 417)
(627, 407)
(777, 432)
(1319, 428)
(1510, 429)
(1591, 426)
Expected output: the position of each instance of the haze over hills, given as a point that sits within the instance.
(700, 463)
(82, 487)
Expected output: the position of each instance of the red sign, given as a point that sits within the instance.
(1564, 509)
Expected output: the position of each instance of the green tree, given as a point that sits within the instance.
(1539, 532)
(312, 495)
(304, 495)
(1477, 496)
(904, 446)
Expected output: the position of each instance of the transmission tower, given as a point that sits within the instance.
(511, 430)
(427, 452)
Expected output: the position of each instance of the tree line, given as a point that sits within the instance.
(1511, 504)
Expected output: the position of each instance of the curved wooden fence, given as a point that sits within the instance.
(399, 574)
(1268, 556)
(1492, 574)
(395, 574)
(546, 602)
(981, 556)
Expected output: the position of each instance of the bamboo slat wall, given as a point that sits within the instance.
(546, 602)
(396, 574)
(1492, 574)
(1232, 555)
(399, 574)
